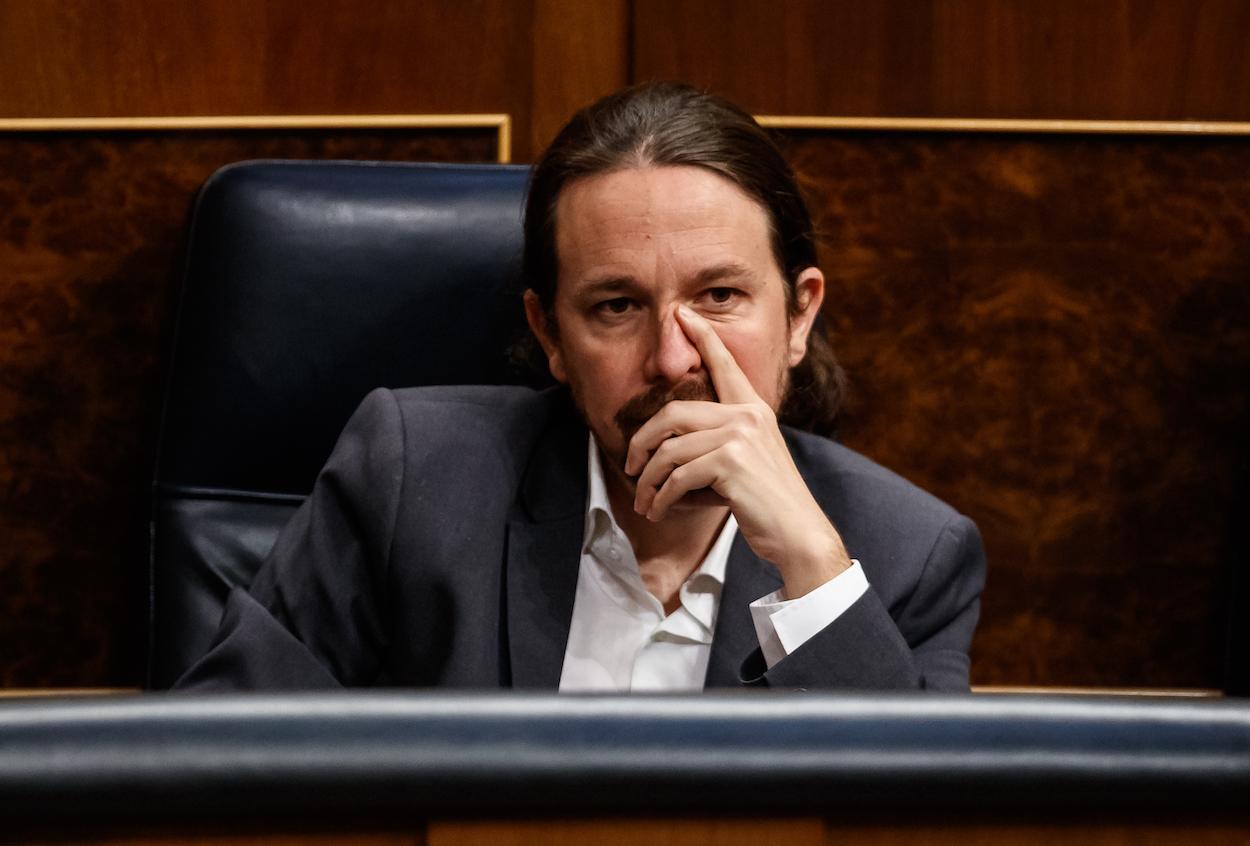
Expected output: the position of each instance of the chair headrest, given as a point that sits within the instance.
(310, 283)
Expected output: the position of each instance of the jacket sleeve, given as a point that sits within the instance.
(924, 646)
(316, 614)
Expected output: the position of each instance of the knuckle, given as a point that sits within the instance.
(761, 414)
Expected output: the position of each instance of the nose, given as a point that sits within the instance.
(673, 356)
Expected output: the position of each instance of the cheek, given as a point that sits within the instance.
(596, 358)
(760, 355)
(605, 375)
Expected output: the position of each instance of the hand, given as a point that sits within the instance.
(735, 448)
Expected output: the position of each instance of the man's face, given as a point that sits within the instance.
(632, 246)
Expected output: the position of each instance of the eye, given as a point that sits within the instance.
(614, 307)
(721, 297)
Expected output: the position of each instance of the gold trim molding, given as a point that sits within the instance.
(1075, 127)
(501, 123)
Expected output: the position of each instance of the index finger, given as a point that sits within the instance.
(732, 385)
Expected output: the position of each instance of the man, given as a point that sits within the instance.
(650, 526)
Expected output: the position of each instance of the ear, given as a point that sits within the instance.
(536, 316)
(809, 293)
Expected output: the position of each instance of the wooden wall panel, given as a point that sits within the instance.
(90, 231)
(226, 57)
(536, 60)
(1052, 333)
(1132, 59)
(128, 57)
(581, 52)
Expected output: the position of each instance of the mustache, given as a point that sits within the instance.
(646, 405)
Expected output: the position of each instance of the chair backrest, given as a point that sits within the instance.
(308, 284)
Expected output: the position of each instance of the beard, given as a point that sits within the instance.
(644, 406)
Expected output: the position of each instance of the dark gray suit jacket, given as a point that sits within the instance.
(440, 547)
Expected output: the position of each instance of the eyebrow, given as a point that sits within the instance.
(709, 275)
(608, 285)
(722, 272)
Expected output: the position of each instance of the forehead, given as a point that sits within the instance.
(682, 216)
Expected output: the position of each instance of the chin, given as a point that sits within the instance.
(613, 458)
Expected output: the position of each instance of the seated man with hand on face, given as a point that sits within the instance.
(647, 525)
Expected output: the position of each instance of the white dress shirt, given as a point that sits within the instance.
(620, 639)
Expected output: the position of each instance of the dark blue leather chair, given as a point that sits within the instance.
(308, 284)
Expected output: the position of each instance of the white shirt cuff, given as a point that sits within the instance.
(783, 625)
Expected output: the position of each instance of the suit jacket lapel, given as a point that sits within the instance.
(747, 578)
(543, 553)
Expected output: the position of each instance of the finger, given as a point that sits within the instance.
(677, 418)
(732, 385)
(693, 477)
(670, 455)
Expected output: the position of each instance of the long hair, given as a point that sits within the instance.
(671, 124)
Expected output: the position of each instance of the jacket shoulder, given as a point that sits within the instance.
(827, 463)
(875, 508)
(462, 434)
(506, 411)
(495, 398)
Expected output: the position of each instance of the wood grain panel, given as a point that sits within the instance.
(973, 58)
(628, 832)
(90, 229)
(250, 835)
(1103, 830)
(581, 53)
(83, 58)
(1053, 334)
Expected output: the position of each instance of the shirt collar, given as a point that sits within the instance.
(597, 487)
(601, 525)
